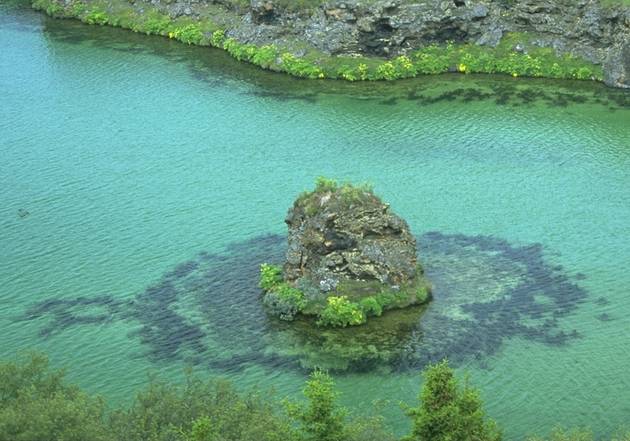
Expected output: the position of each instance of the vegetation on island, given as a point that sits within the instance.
(347, 193)
(532, 61)
(37, 404)
(345, 306)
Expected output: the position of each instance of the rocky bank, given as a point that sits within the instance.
(591, 29)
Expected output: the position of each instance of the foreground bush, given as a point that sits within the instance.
(165, 412)
(448, 412)
(322, 419)
(36, 404)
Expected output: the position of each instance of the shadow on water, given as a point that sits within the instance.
(215, 68)
(207, 311)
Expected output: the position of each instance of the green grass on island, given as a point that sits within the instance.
(351, 304)
(212, 29)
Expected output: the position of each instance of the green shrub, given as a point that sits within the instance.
(51, 8)
(300, 67)
(199, 410)
(448, 412)
(217, 39)
(37, 404)
(341, 312)
(270, 276)
(386, 71)
(324, 185)
(189, 34)
(371, 306)
(322, 419)
(404, 67)
(157, 24)
(290, 295)
(385, 298)
(77, 8)
(431, 60)
(285, 301)
(350, 194)
(97, 17)
(422, 293)
(347, 73)
(265, 56)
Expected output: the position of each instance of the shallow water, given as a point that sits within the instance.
(143, 181)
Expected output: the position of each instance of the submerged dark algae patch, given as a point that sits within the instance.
(207, 311)
(66, 313)
(216, 68)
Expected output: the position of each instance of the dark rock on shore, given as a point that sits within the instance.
(589, 29)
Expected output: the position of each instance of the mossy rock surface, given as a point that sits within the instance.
(349, 255)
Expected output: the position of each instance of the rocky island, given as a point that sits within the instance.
(349, 257)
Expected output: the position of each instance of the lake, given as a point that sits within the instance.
(143, 181)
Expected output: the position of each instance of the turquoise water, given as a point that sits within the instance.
(142, 181)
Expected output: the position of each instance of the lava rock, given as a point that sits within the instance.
(347, 233)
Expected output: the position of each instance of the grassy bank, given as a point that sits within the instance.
(212, 29)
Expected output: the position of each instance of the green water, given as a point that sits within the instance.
(157, 176)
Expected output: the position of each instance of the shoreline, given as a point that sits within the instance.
(211, 27)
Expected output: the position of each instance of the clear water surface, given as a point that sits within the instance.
(142, 182)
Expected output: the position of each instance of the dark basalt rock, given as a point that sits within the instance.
(617, 66)
(594, 30)
(347, 234)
